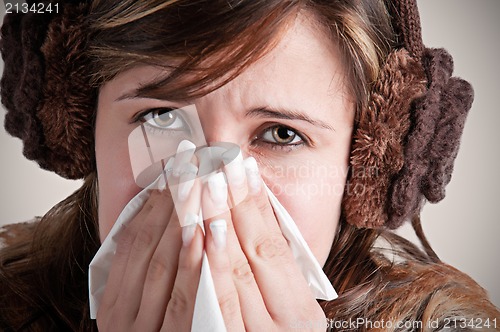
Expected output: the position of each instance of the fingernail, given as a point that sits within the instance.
(189, 219)
(184, 190)
(188, 234)
(185, 152)
(218, 189)
(185, 145)
(235, 170)
(219, 233)
(253, 176)
(187, 177)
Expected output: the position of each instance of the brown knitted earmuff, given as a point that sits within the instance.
(46, 89)
(404, 144)
(404, 149)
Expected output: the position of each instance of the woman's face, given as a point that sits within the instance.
(290, 110)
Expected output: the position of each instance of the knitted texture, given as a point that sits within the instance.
(433, 143)
(407, 25)
(387, 196)
(378, 149)
(22, 80)
(45, 89)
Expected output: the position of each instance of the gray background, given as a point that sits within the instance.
(463, 229)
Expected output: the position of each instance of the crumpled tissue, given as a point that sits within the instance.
(207, 315)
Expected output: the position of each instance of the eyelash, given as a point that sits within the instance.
(139, 117)
(258, 139)
(304, 140)
(157, 130)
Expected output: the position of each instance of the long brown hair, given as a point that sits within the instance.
(46, 276)
(216, 40)
(43, 279)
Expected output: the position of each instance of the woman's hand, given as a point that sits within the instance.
(258, 283)
(155, 272)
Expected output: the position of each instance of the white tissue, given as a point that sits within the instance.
(318, 282)
(207, 315)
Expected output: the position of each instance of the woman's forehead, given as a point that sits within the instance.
(303, 56)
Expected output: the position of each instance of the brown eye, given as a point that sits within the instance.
(281, 135)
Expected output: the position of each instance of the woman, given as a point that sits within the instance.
(345, 87)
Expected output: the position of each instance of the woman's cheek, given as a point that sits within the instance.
(115, 178)
(311, 193)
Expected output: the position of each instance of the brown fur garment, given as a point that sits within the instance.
(426, 296)
(15, 233)
(446, 296)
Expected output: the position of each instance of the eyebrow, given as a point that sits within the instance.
(128, 95)
(140, 91)
(136, 94)
(287, 115)
(262, 112)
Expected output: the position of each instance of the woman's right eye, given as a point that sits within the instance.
(165, 119)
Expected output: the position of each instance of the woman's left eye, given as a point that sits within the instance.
(165, 118)
(281, 135)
